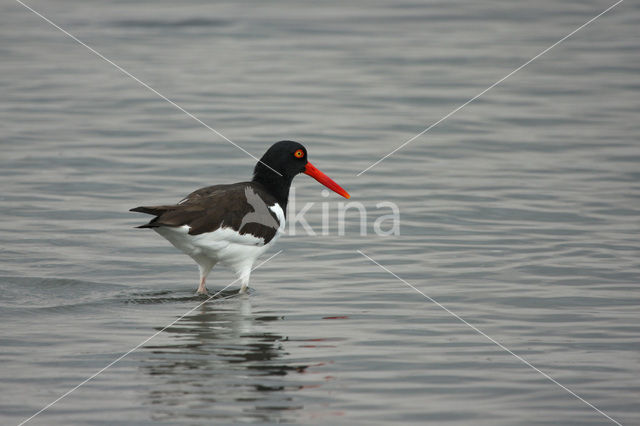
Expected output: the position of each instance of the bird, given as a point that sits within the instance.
(233, 224)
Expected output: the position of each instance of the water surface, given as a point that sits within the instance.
(520, 213)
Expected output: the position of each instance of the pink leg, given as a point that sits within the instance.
(204, 266)
(201, 288)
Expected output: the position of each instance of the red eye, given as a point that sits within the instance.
(299, 153)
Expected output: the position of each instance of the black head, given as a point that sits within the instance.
(278, 166)
(281, 163)
(284, 159)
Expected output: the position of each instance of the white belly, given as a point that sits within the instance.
(223, 245)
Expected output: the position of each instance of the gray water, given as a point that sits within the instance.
(520, 213)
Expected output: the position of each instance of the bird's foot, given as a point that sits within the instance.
(202, 287)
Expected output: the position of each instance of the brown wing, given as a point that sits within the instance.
(213, 207)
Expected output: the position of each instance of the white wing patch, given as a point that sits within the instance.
(280, 215)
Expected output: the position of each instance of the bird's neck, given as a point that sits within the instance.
(278, 186)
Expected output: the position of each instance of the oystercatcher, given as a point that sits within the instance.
(234, 224)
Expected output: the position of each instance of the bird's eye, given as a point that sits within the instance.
(299, 153)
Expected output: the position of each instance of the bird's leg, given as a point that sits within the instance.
(244, 279)
(204, 266)
(201, 288)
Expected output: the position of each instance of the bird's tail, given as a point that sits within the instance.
(152, 210)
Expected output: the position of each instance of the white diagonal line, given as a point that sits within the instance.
(138, 346)
(491, 87)
(500, 345)
(127, 73)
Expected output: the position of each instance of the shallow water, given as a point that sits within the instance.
(520, 213)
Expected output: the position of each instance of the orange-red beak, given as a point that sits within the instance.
(325, 180)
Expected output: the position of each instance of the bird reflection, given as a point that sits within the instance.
(221, 362)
